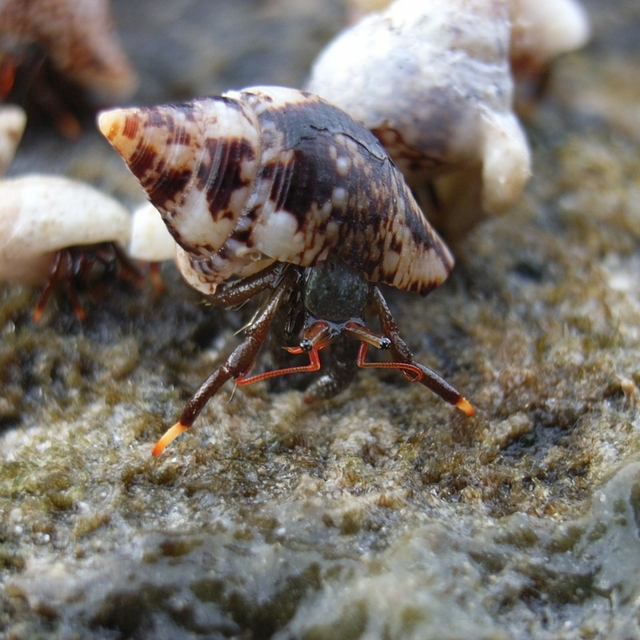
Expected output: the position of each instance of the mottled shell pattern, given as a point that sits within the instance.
(79, 38)
(275, 174)
(40, 214)
(432, 80)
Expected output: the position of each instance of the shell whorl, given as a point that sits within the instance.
(298, 180)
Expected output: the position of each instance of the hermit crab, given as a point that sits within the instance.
(75, 40)
(54, 229)
(285, 192)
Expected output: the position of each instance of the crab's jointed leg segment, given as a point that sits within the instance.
(242, 358)
(400, 353)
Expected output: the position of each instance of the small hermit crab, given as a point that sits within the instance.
(286, 192)
(54, 229)
(76, 39)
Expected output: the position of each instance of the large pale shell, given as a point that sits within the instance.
(268, 174)
(544, 29)
(432, 81)
(79, 38)
(42, 214)
(540, 29)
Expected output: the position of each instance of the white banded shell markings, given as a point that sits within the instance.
(432, 80)
(273, 174)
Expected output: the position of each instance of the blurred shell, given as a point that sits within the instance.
(432, 81)
(41, 214)
(540, 29)
(543, 29)
(270, 174)
(12, 123)
(436, 88)
(150, 240)
(79, 38)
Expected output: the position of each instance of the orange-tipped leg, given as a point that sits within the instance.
(465, 406)
(169, 436)
(239, 363)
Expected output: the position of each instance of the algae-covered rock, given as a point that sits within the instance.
(382, 513)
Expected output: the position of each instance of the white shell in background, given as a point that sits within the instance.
(543, 29)
(12, 123)
(41, 214)
(540, 29)
(150, 240)
(432, 81)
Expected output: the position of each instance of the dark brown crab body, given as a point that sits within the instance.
(273, 175)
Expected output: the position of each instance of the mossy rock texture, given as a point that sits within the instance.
(383, 513)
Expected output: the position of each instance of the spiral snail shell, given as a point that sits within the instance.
(432, 80)
(150, 240)
(540, 29)
(274, 174)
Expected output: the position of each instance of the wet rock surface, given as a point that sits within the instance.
(382, 513)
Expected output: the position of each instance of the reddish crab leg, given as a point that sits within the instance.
(241, 359)
(401, 353)
(73, 265)
(403, 366)
(317, 337)
(49, 287)
(314, 365)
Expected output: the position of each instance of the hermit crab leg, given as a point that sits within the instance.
(73, 266)
(242, 358)
(316, 337)
(367, 338)
(401, 353)
(54, 276)
(235, 294)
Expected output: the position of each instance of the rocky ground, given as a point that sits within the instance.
(383, 513)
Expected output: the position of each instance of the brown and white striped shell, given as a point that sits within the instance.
(274, 174)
